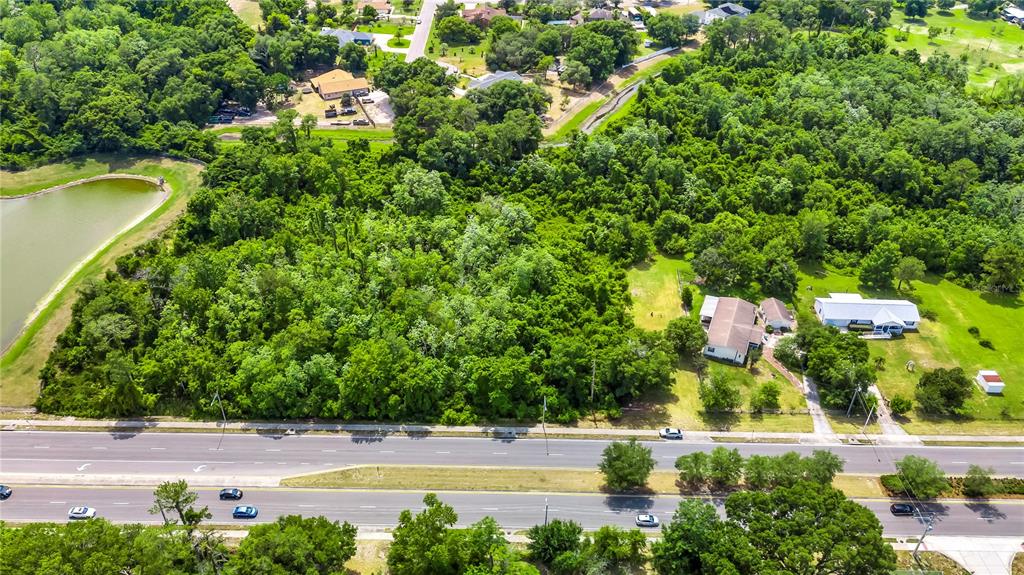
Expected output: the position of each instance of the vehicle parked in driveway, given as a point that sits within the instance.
(5, 492)
(647, 520)
(245, 512)
(670, 433)
(360, 122)
(348, 111)
(81, 513)
(901, 509)
(231, 493)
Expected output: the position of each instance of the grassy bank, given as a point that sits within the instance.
(943, 342)
(443, 478)
(19, 367)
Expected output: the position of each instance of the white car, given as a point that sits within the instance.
(670, 433)
(647, 520)
(81, 513)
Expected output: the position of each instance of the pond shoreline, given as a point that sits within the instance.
(162, 187)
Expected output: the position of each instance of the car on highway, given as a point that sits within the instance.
(901, 509)
(5, 492)
(232, 493)
(647, 520)
(245, 512)
(670, 433)
(81, 513)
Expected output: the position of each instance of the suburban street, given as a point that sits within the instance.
(418, 41)
(370, 508)
(257, 457)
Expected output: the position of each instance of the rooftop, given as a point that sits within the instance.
(853, 306)
(484, 82)
(338, 81)
(733, 324)
(774, 309)
(346, 36)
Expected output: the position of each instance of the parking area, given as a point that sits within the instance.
(347, 111)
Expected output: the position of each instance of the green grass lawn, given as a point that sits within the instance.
(574, 122)
(993, 48)
(248, 11)
(468, 58)
(655, 291)
(19, 367)
(381, 27)
(398, 43)
(944, 343)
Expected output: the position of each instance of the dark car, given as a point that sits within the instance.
(231, 493)
(348, 111)
(245, 512)
(360, 122)
(5, 492)
(901, 509)
(330, 113)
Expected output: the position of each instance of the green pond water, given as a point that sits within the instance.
(43, 237)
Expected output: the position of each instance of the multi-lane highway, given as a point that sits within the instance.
(86, 454)
(253, 459)
(369, 508)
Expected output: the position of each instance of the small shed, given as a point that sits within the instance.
(990, 381)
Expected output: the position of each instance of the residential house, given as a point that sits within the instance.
(348, 36)
(337, 83)
(774, 313)
(1013, 15)
(990, 381)
(482, 15)
(383, 7)
(484, 82)
(882, 316)
(599, 14)
(723, 11)
(733, 328)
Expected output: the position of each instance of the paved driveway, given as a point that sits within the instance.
(418, 42)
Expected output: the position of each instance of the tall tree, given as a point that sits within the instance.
(626, 465)
(908, 269)
(877, 268)
(294, 544)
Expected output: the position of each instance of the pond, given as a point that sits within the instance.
(44, 237)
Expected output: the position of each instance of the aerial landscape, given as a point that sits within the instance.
(565, 287)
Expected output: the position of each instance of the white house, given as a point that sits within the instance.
(733, 329)
(883, 316)
(723, 11)
(707, 309)
(990, 381)
(774, 313)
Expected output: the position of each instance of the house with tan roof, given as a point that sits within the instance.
(383, 7)
(482, 15)
(732, 328)
(773, 312)
(337, 83)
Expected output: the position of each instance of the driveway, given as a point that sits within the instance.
(418, 42)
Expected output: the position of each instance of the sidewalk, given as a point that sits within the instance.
(979, 555)
(522, 432)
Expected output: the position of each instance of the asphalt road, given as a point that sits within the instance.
(418, 42)
(260, 456)
(370, 508)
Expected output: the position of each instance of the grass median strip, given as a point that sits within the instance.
(452, 478)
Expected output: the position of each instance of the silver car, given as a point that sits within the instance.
(81, 513)
(647, 520)
(670, 433)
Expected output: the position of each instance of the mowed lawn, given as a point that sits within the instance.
(992, 47)
(654, 289)
(945, 343)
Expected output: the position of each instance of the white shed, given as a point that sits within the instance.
(990, 381)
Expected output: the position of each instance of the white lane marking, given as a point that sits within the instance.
(489, 508)
(1017, 463)
(40, 447)
(306, 505)
(384, 451)
(158, 449)
(499, 453)
(328, 451)
(668, 456)
(442, 452)
(59, 502)
(198, 469)
(213, 449)
(121, 503)
(8, 459)
(83, 466)
(557, 454)
(303, 463)
(282, 463)
(959, 462)
(100, 448)
(367, 506)
(271, 450)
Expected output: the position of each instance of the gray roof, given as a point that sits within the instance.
(722, 12)
(733, 325)
(484, 82)
(851, 306)
(346, 36)
(774, 310)
(599, 14)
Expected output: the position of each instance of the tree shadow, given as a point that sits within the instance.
(986, 510)
(934, 508)
(1002, 300)
(374, 437)
(916, 21)
(629, 503)
(719, 421)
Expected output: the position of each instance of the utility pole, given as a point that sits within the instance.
(223, 418)
(927, 529)
(593, 374)
(545, 511)
(543, 427)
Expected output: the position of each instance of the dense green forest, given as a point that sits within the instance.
(134, 75)
(463, 273)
